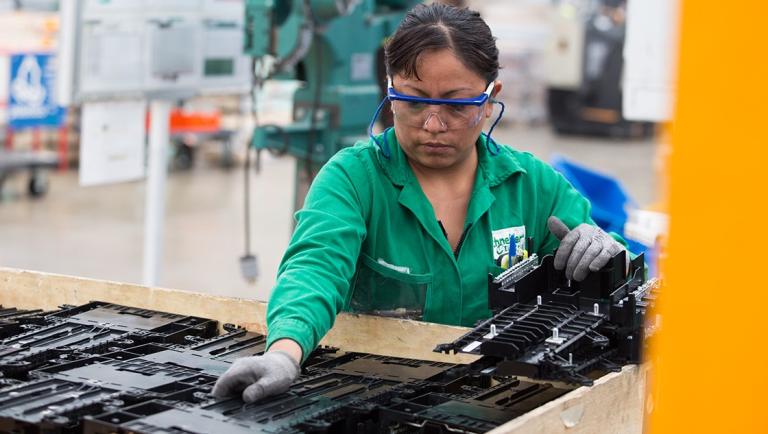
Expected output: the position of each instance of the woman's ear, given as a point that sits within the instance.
(496, 89)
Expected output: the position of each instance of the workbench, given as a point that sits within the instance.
(616, 403)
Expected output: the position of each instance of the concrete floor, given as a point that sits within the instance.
(98, 231)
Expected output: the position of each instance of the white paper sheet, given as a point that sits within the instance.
(112, 146)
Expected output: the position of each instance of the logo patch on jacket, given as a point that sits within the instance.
(501, 240)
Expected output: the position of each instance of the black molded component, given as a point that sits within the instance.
(318, 401)
(14, 321)
(391, 368)
(238, 342)
(51, 405)
(233, 345)
(167, 419)
(548, 327)
(442, 413)
(102, 368)
(65, 393)
(340, 403)
(95, 328)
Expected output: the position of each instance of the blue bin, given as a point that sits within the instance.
(606, 194)
(651, 254)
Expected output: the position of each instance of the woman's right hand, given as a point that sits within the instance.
(260, 376)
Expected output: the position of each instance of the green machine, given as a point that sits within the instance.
(335, 48)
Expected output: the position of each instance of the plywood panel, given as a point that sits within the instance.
(614, 404)
(28, 289)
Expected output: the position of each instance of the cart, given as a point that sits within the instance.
(188, 129)
(35, 163)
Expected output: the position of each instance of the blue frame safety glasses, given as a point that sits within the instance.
(450, 114)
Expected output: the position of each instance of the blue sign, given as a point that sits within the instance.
(31, 100)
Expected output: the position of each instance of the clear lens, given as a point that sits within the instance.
(452, 116)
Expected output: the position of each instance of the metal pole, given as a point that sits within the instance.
(63, 147)
(154, 211)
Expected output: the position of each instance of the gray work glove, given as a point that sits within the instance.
(258, 376)
(585, 248)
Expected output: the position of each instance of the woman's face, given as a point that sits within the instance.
(432, 145)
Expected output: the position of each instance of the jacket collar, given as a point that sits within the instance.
(495, 169)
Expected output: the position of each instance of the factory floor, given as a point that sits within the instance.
(98, 231)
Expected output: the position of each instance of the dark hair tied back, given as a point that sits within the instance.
(439, 26)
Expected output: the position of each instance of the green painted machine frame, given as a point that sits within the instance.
(333, 46)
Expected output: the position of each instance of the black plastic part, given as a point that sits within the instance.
(102, 368)
(442, 413)
(14, 321)
(233, 345)
(95, 328)
(548, 327)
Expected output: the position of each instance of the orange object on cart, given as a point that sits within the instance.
(192, 122)
(195, 122)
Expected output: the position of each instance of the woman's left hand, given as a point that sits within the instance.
(585, 248)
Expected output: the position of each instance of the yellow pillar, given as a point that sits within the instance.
(711, 357)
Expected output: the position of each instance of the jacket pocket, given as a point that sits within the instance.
(381, 290)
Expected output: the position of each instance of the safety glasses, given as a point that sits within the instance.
(452, 114)
(449, 114)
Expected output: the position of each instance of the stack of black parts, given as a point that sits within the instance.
(105, 368)
(545, 326)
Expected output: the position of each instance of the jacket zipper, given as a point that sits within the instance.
(461, 239)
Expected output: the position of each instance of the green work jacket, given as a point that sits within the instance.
(367, 240)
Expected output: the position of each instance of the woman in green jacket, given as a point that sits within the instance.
(410, 223)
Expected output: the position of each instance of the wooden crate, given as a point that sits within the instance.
(615, 404)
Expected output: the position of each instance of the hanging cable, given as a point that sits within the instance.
(248, 262)
(312, 136)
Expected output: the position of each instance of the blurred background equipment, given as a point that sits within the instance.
(155, 50)
(191, 127)
(36, 164)
(31, 106)
(651, 57)
(115, 55)
(522, 29)
(333, 48)
(28, 107)
(112, 144)
(585, 70)
(607, 196)
(614, 210)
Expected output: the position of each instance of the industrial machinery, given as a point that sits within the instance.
(334, 48)
(585, 68)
